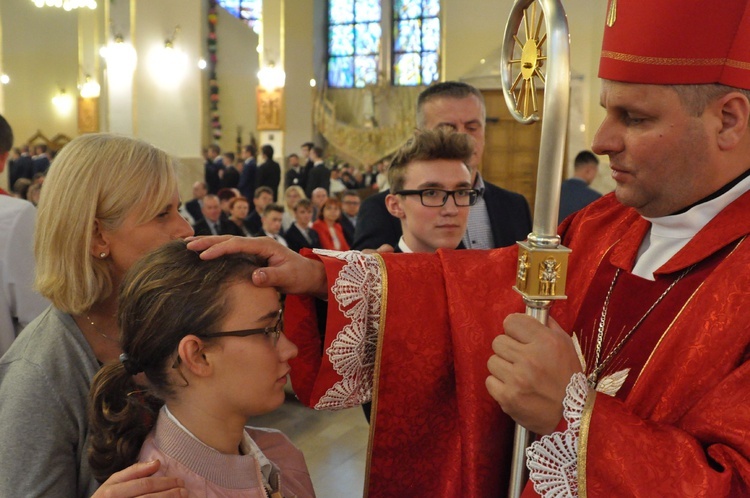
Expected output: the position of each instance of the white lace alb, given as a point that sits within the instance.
(553, 460)
(358, 293)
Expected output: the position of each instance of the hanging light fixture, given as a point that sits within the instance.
(89, 89)
(66, 4)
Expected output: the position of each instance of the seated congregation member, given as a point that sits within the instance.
(225, 195)
(328, 227)
(213, 223)
(271, 223)
(108, 200)
(193, 206)
(238, 208)
(300, 234)
(211, 347)
(318, 198)
(291, 196)
(350, 203)
(262, 197)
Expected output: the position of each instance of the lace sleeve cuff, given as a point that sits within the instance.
(358, 292)
(553, 460)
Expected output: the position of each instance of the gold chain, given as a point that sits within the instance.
(99, 331)
(598, 368)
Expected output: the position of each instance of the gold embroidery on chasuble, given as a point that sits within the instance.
(378, 354)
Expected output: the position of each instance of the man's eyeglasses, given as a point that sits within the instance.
(274, 331)
(437, 197)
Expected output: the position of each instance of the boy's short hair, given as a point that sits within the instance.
(273, 207)
(262, 190)
(303, 203)
(428, 145)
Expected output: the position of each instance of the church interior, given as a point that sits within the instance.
(183, 74)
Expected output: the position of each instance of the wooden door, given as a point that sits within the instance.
(511, 152)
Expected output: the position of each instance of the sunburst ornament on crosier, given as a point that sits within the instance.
(529, 64)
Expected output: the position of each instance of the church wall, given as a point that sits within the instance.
(298, 64)
(38, 67)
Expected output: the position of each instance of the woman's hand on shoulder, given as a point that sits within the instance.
(136, 481)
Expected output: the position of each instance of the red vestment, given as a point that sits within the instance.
(680, 426)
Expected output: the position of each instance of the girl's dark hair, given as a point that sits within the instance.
(168, 294)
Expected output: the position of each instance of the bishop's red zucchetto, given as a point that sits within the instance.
(668, 42)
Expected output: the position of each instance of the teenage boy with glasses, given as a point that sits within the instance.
(431, 190)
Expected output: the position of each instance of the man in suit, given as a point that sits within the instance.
(231, 177)
(499, 218)
(269, 172)
(262, 198)
(246, 185)
(212, 222)
(350, 203)
(271, 223)
(23, 167)
(213, 169)
(40, 160)
(300, 234)
(320, 176)
(575, 192)
(293, 172)
(195, 205)
(306, 162)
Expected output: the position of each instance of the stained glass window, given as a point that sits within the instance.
(416, 42)
(248, 10)
(354, 34)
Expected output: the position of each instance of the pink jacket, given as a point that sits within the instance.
(210, 474)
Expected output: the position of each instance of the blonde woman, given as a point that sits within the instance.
(107, 201)
(291, 196)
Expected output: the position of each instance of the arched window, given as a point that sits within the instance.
(354, 35)
(416, 42)
(364, 35)
(249, 11)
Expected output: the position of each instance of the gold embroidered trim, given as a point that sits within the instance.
(675, 61)
(583, 440)
(648, 360)
(376, 373)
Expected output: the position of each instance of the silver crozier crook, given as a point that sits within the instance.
(542, 261)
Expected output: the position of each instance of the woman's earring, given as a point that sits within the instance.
(102, 255)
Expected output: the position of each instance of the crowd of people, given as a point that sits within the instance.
(144, 350)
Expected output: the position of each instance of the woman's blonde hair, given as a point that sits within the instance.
(295, 188)
(95, 177)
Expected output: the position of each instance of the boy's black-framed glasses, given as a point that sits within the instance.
(437, 197)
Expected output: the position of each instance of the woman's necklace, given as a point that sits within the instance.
(96, 329)
(593, 378)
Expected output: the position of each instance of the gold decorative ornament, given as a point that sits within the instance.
(612, 13)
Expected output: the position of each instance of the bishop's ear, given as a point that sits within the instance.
(735, 112)
(393, 204)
